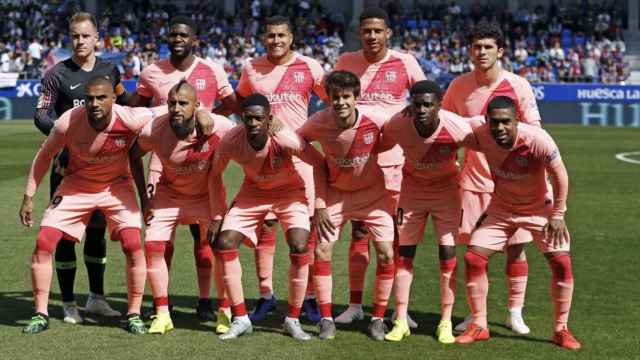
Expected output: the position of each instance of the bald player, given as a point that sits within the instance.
(520, 156)
(469, 95)
(98, 136)
(354, 190)
(271, 185)
(182, 195)
(212, 87)
(288, 80)
(430, 139)
(386, 76)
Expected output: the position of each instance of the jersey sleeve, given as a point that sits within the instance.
(414, 70)
(447, 101)
(144, 138)
(548, 151)
(137, 117)
(52, 145)
(529, 106)
(318, 80)
(224, 87)
(118, 86)
(308, 131)
(145, 88)
(43, 116)
(244, 86)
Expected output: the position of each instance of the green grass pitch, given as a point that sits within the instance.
(602, 217)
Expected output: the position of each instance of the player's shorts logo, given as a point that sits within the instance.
(204, 147)
(203, 164)
(298, 77)
(201, 84)
(120, 142)
(368, 138)
(390, 76)
(55, 201)
(445, 149)
(522, 161)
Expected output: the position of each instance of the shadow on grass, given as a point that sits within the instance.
(17, 307)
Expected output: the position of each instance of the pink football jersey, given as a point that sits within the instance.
(384, 86)
(351, 154)
(467, 98)
(96, 158)
(208, 78)
(269, 172)
(519, 172)
(185, 162)
(430, 163)
(288, 86)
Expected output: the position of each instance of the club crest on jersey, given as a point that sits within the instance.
(390, 76)
(201, 84)
(298, 77)
(368, 138)
(522, 161)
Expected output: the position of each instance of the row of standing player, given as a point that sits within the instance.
(374, 49)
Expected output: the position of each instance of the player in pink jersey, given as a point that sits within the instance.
(272, 185)
(468, 95)
(212, 86)
(519, 157)
(98, 137)
(386, 76)
(350, 138)
(182, 195)
(430, 139)
(287, 79)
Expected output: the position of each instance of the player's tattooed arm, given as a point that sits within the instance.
(43, 116)
(137, 170)
(136, 100)
(228, 105)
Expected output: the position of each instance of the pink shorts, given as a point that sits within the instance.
(416, 206)
(70, 209)
(497, 227)
(369, 205)
(247, 213)
(306, 173)
(474, 205)
(169, 211)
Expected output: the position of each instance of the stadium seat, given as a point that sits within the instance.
(411, 24)
(424, 24)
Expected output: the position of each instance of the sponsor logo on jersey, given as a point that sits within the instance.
(73, 87)
(284, 97)
(376, 96)
(352, 162)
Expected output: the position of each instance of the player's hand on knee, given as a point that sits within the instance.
(323, 223)
(26, 210)
(556, 232)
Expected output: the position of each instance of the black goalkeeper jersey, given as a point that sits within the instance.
(63, 88)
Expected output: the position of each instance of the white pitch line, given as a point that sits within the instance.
(624, 157)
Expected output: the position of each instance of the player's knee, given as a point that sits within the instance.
(358, 230)
(322, 253)
(560, 265)
(385, 253)
(130, 240)
(228, 240)
(408, 251)
(155, 247)
(297, 240)
(446, 252)
(48, 239)
(475, 262)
